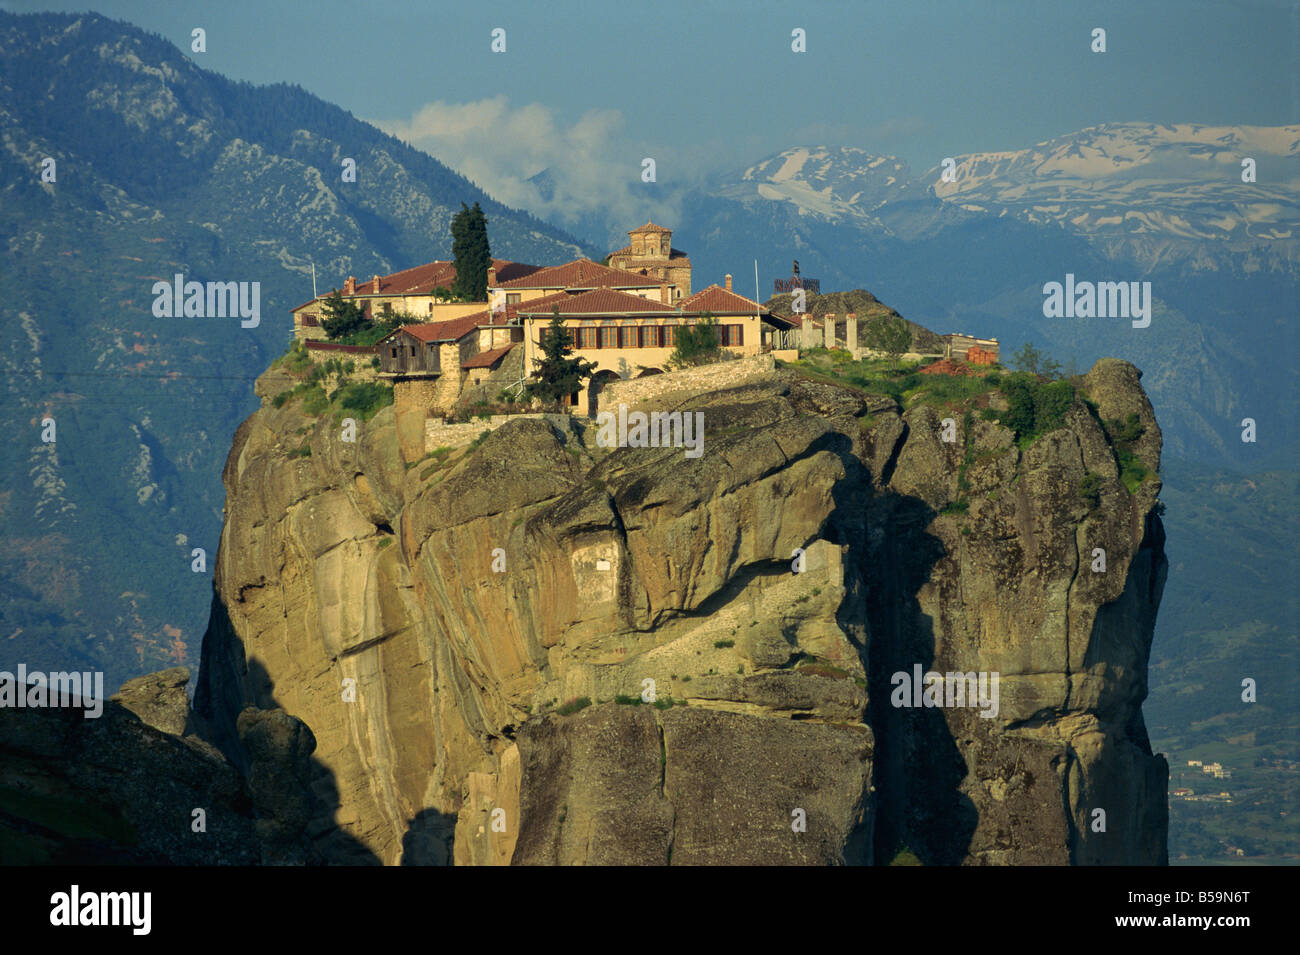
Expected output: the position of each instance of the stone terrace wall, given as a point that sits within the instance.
(438, 434)
(359, 355)
(659, 388)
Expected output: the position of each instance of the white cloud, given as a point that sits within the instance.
(593, 167)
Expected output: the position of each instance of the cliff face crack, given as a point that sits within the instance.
(887, 472)
(365, 645)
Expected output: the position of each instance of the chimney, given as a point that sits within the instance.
(728, 282)
(350, 286)
(492, 276)
(376, 280)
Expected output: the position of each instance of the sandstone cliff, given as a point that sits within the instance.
(440, 625)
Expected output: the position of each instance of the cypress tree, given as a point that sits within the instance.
(469, 248)
(557, 374)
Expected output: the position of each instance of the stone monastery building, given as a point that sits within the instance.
(622, 317)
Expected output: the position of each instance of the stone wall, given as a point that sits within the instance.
(658, 388)
(412, 399)
(494, 381)
(439, 434)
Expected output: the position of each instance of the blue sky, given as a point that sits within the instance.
(711, 85)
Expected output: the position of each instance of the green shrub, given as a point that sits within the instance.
(1051, 402)
(627, 700)
(1132, 471)
(723, 644)
(573, 706)
(905, 856)
(1124, 435)
(314, 400)
(364, 398)
(696, 344)
(1035, 407)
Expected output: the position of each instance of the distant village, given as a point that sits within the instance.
(621, 316)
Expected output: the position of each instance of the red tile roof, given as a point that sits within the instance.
(423, 279)
(601, 301)
(649, 227)
(581, 274)
(453, 330)
(432, 332)
(488, 358)
(719, 301)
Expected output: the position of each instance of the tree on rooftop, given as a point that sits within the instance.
(469, 248)
(341, 317)
(557, 374)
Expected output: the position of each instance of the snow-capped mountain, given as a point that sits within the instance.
(1147, 193)
(834, 183)
(1116, 202)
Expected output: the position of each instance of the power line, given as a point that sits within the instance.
(126, 376)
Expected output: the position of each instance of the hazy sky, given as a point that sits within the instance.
(708, 85)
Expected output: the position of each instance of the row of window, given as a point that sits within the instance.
(647, 336)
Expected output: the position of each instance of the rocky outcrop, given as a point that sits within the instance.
(137, 785)
(534, 650)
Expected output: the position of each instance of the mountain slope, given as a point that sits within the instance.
(165, 168)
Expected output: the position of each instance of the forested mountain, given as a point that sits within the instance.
(160, 167)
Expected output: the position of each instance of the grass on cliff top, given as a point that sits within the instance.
(903, 382)
(1036, 405)
(356, 399)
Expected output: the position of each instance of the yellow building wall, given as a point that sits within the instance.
(422, 308)
(630, 362)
